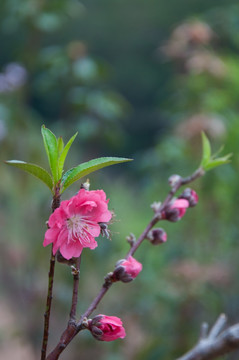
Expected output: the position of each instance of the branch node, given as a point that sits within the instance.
(131, 239)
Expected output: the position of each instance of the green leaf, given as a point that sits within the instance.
(60, 145)
(206, 150)
(217, 162)
(209, 161)
(51, 147)
(34, 170)
(63, 155)
(86, 168)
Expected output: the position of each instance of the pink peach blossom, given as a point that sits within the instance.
(107, 328)
(74, 225)
(127, 270)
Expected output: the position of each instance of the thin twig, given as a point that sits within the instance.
(107, 284)
(218, 326)
(55, 205)
(76, 276)
(48, 307)
(216, 344)
(182, 181)
(73, 329)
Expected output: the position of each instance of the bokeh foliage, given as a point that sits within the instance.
(135, 79)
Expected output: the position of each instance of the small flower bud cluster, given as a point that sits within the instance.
(177, 209)
(174, 211)
(106, 328)
(127, 270)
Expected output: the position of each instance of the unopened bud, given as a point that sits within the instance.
(127, 270)
(155, 206)
(131, 239)
(176, 210)
(106, 328)
(86, 185)
(174, 179)
(191, 196)
(104, 231)
(157, 236)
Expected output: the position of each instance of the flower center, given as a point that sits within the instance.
(79, 228)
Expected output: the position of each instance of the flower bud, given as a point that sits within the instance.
(106, 328)
(155, 206)
(104, 231)
(191, 196)
(157, 236)
(127, 270)
(176, 210)
(86, 185)
(174, 179)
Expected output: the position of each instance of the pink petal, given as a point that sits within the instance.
(114, 320)
(180, 203)
(62, 237)
(50, 236)
(71, 250)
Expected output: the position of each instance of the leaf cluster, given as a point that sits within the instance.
(56, 152)
(210, 161)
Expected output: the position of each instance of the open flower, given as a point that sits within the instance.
(107, 328)
(74, 225)
(176, 210)
(127, 270)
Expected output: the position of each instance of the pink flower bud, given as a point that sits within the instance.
(176, 210)
(106, 328)
(174, 179)
(191, 196)
(157, 236)
(127, 270)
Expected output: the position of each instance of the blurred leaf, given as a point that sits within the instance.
(210, 161)
(48, 22)
(206, 150)
(86, 168)
(63, 155)
(34, 170)
(85, 69)
(51, 147)
(217, 162)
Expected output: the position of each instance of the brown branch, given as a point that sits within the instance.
(73, 328)
(55, 205)
(105, 287)
(181, 181)
(216, 343)
(76, 277)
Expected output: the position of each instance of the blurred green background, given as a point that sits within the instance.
(136, 79)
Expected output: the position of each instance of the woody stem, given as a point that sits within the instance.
(55, 205)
